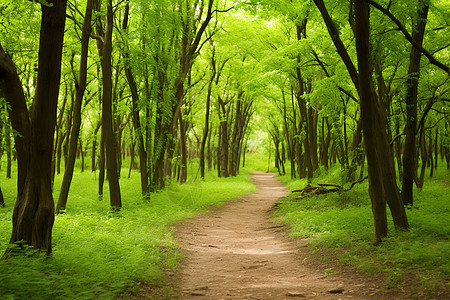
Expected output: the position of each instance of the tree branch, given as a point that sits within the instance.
(402, 28)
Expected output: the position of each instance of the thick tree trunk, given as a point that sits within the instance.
(33, 214)
(382, 181)
(412, 83)
(371, 120)
(80, 86)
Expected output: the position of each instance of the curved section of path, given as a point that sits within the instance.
(236, 252)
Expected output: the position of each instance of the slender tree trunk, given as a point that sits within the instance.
(424, 156)
(183, 150)
(135, 114)
(2, 200)
(209, 155)
(235, 138)
(56, 160)
(94, 147)
(107, 118)
(430, 157)
(398, 149)
(436, 150)
(206, 131)
(223, 152)
(80, 86)
(80, 142)
(412, 83)
(8, 150)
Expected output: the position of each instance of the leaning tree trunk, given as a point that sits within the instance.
(33, 214)
(80, 86)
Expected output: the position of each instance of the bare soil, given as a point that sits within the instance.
(238, 252)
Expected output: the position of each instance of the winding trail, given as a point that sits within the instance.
(236, 252)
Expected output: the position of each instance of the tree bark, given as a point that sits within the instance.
(33, 214)
(9, 150)
(412, 83)
(223, 148)
(107, 117)
(382, 182)
(340, 47)
(2, 200)
(207, 110)
(135, 114)
(80, 87)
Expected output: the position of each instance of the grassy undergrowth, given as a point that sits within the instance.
(97, 254)
(342, 223)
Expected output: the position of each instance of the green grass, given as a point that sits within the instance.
(97, 254)
(342, 223)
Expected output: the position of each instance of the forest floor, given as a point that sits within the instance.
(237, 252)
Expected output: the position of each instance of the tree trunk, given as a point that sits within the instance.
(209, 154)
(2, 200)
(80, 142)
(398, 149)
(80, 86)
(235, 138)
(183, 149)
(94, 147)
(135, 114)
(206, 131)
(382, 181)
(101, 165)
(424, 155)
(430, 157)
(223, 148)
(107, 117)
(9, 150)
(33, 214)
(412, 83)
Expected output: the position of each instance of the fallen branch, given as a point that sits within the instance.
(321, 189)
(357, 181)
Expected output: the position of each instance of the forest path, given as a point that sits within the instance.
(236, 252)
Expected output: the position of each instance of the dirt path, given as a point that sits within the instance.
(236, 252)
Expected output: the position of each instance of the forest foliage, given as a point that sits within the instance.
(175, 91)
